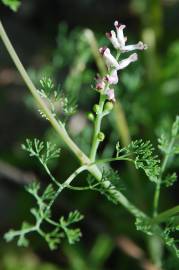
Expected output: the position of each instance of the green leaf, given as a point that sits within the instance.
(48, 193)
(170, 179)
(73, 234)
(142, 224)
(108, 185)
(142, 154)
(74, 216)
(13, 4)
(44, 151)
(53, 238)
(33, 188)
(9, 236)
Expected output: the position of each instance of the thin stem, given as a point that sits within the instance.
(158, 186)
(66, 184)
(166, 214)
(106, 160)
(97, 127)
(49, 173)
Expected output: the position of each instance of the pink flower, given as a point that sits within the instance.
(100, 84)
(108, 58)
(113, 78)
(125, 62)
(110, 94)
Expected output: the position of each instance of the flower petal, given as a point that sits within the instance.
(124, 63)
(120, 35)
(113, 38)
(113, 78)
(139, 46)
(109, 58)
(111, 95)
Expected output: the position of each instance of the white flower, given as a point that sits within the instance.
(109, 58)
(113, 38)
(139, 46)
(125, 62)
(120, 35)
(119, 41)
(110, 94)
(113, 77)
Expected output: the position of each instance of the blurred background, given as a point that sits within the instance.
(50, 38)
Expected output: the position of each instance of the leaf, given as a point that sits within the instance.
(74, 216)
(73, 234)
(48, 193)
(53, 238)
(170, 179)
(108, 185)
(142, 154)
(47, 87)
(9, 236)
(13, 4)
(33, 188)
(142, 224)
(44, 151)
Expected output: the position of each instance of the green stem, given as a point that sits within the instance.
(166, 214)
(97, 127)
(158, 186)
(49, 173)
(66, 184)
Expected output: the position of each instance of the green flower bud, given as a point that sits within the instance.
(108, 106)
(101, 136)
(90, 116)
(96, 108)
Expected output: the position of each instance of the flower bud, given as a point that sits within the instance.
(101, 136)
(96, 108)
(90, 116)
(108, 106)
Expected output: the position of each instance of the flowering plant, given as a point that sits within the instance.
(160, 227)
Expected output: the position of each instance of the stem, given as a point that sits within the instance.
(166, 214)
(158, 186)
(49, 173)
(65, 184)
(97, 127)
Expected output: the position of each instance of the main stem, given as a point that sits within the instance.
(93, 169)
(97, 127)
